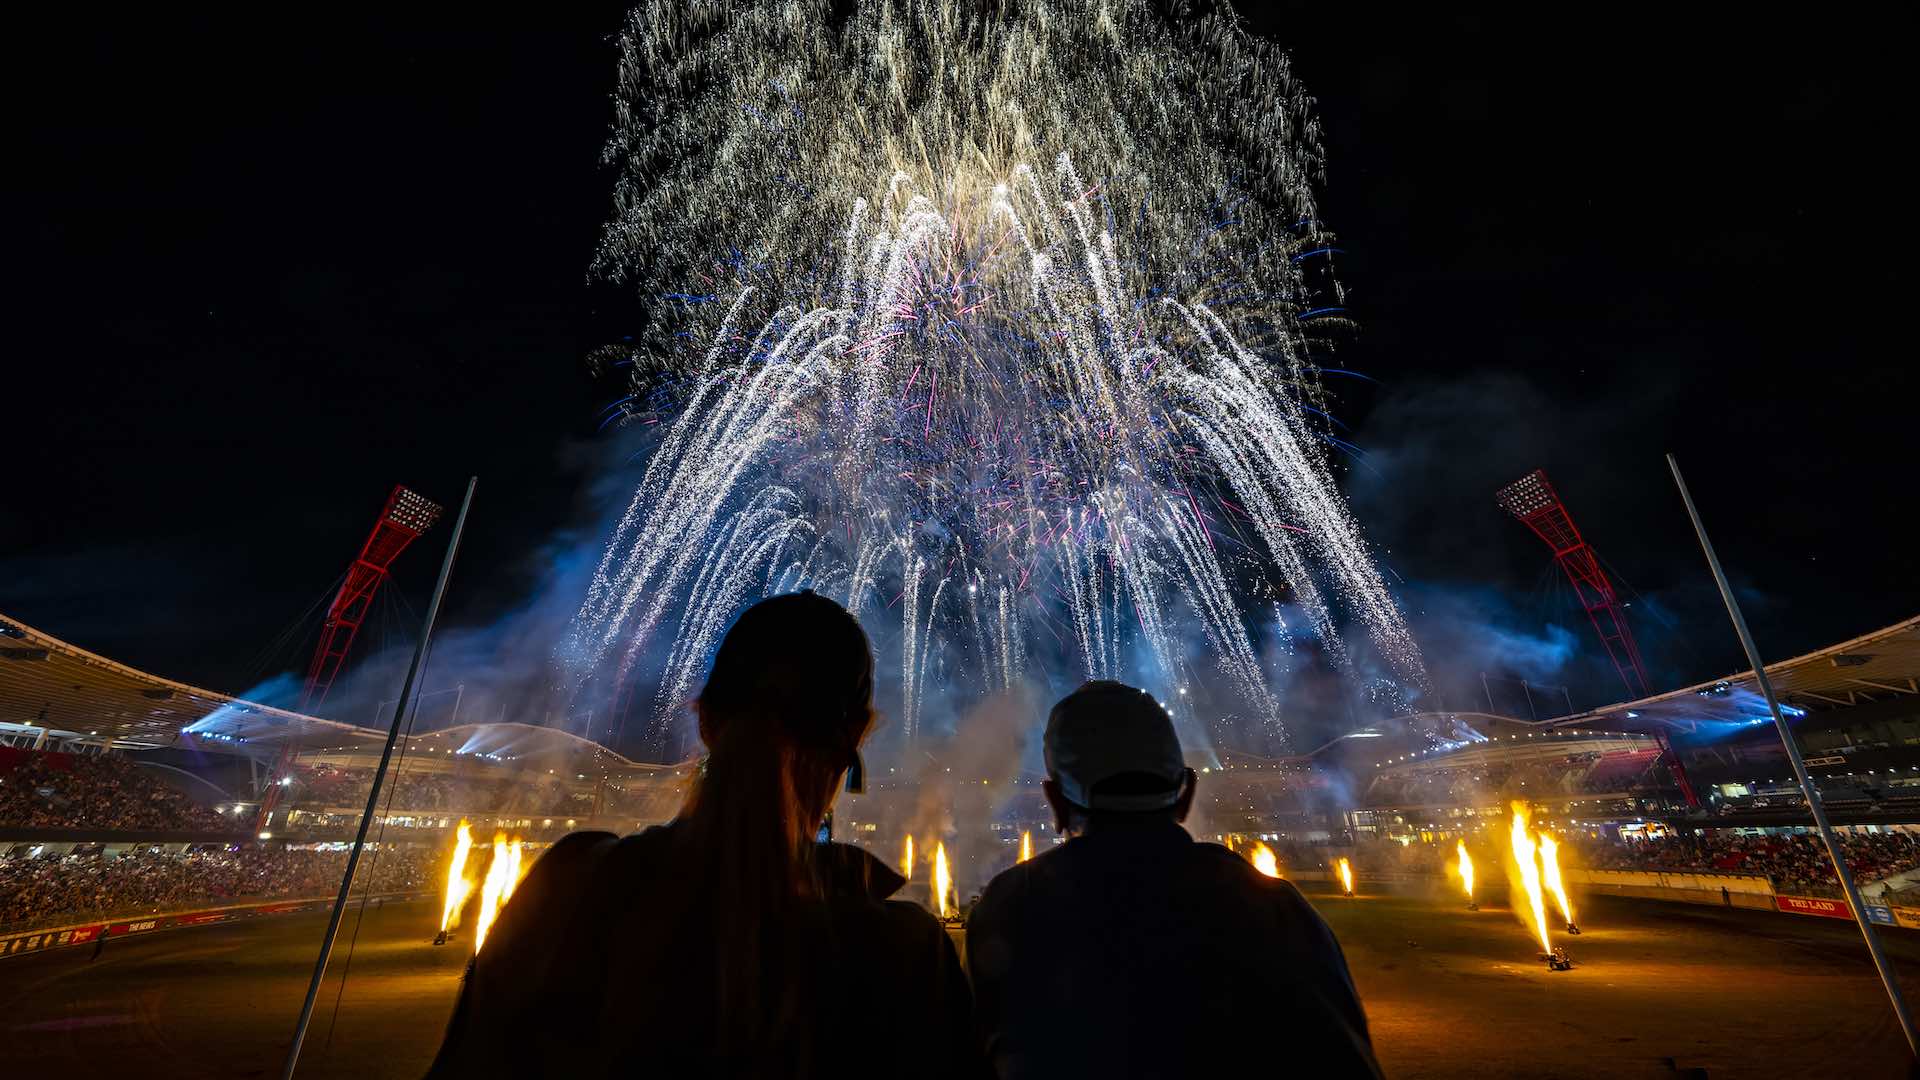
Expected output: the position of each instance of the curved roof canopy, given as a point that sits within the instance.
(1876, 667)
(74, 696)
(1880, 666)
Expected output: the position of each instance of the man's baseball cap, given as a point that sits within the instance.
(1107, 729)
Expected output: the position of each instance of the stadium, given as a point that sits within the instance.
(174, 846)
(838, 385)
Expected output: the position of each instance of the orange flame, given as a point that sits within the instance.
(514, 870)
(906, 859)
(1263, 859)
(458, 887)
(1523, 857)
(1465, 867)
(1550, 862)
(1026, 846)
(503, 873)
(1346, 875)
(942, 882)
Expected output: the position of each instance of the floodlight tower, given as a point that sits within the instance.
(1533, 500)
(406, 516)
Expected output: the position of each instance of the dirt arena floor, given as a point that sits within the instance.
(1658, 990)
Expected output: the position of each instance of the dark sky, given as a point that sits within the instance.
(264, 270)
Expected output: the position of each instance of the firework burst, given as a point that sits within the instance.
(996, 327)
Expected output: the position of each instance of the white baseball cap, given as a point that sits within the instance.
(1107, 729)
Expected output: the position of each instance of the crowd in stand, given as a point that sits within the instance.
(44, 789)
(110, 793)
(327, 786)
(1572, 774)
(1791, 861)
(50, 889)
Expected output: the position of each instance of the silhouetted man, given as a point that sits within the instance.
(1131, 950)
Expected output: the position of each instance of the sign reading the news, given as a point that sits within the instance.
(1814, 905)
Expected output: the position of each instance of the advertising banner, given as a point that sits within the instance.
(22, 942)
(1814, 905)
(34, 941)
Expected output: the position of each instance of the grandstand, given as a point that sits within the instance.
(532, 780)
(99, 757)
(1854, 707)
(1292, 797)
(1603, 774)
(217, 753)
(123, 791)
(1608, 775)
(54, 695)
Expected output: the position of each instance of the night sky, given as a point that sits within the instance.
(264, 270)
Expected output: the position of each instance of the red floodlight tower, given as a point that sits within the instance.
(1538, 506)
(1533, 500)
(406, 515)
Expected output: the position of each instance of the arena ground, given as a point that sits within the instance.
(1451, 993)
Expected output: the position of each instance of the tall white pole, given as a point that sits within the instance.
(1812, 793)
(373, 793)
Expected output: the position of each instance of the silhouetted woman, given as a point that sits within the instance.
(730, 942)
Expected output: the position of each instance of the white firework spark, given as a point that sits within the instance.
(995, 325)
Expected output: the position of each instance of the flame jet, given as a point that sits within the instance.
(503, 874)
(1524, 861)
(1264, 860)
(942, 882)
(1550, 864)
(457, 886)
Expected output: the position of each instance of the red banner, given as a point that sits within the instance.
(1814, 905)
(48, 939)
(38, 940)
(199, 917)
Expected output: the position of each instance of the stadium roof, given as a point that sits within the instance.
(48, 684)
(1544, 745)
(74, 695)
(1874, 667)
(530, 745)
(1877, 667)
